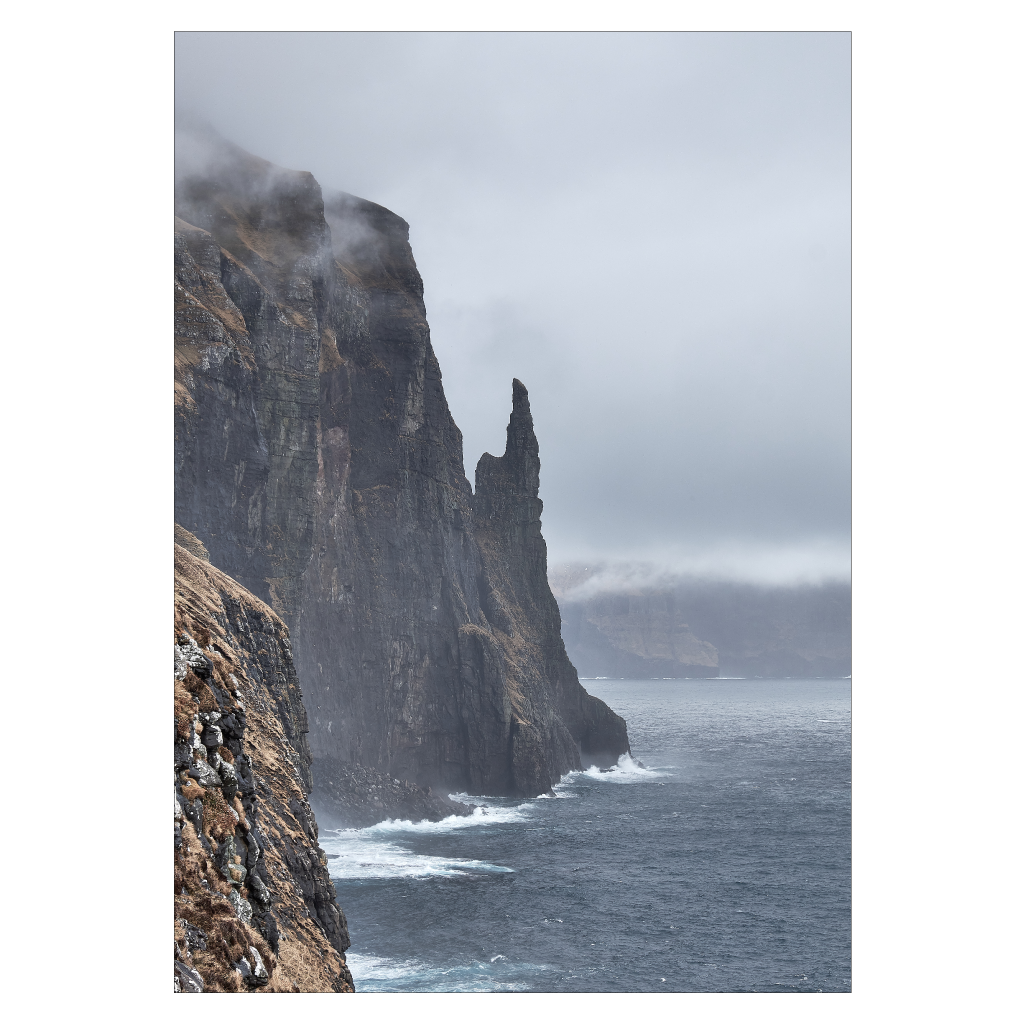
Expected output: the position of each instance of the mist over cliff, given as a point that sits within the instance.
(609, 270)
(317, 460)
(651, 230)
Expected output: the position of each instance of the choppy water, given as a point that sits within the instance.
(723, 865)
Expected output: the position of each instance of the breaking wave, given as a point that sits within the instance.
(380, 974)
(485, 814)
(377, 852)
(626, 770)
(354, 854)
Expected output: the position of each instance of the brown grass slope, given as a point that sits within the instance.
(242, 684)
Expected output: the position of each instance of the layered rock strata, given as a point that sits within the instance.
(317, 460)
(254, 906)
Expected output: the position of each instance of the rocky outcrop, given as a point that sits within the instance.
(254, 906)
(552, 715)
(318, 463)
(354, 796)
(686, 627)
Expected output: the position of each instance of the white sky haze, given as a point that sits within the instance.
(650, 230)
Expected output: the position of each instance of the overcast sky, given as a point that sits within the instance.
(650, 230)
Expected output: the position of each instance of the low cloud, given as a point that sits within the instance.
(650, 230)
(803, 564)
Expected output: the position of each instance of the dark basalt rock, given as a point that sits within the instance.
(354, 796)
(318, 464)
(196, 936)
(182, 754)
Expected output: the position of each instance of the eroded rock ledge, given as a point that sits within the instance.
(354, 796)
(254, 906)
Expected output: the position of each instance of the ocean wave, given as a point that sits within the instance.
(382, 974)
(626, 770)
(355, 855)
(562, 790)
(482, 815)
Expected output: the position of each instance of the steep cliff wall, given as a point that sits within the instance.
(318, 461)
(552, 713)
(254, 906)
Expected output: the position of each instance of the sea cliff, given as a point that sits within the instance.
(254, 906)
(317, 460)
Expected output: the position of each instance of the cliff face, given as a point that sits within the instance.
(254, 905)
(551, 712)
(696, 628)
(318, 461)
(634, 634)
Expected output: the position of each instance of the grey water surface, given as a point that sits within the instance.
(721, 865)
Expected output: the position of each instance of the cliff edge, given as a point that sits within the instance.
(319, 464)
(254, 906)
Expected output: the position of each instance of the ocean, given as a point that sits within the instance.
(716, 860)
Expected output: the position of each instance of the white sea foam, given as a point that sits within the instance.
(379, 968)
(482, 815)
(626, 770)
(358, 855)
(562, 790)
(381, 974)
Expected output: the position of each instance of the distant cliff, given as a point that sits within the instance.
(616, 624)
(254, 907)
(317, 460)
